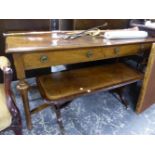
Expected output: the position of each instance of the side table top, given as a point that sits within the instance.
(54, 40)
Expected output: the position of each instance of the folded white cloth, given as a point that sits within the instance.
(125, 34)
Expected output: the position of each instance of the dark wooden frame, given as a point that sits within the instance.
(16, 124)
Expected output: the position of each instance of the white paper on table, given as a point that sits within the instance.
(125, 34)
(58, 68)
(150, 24)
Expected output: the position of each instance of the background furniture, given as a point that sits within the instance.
(147, 97)
(83, 24)
(50, 51)
(9, 113)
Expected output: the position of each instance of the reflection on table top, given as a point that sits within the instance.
(55, 40)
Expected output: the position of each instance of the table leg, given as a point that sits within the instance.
(57, 110)
(119, 94)
(23, 87)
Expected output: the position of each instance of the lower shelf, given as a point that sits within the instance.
(61, 85)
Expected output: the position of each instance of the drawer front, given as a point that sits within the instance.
(120, 51)
(51, 58)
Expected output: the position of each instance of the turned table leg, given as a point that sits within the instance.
(23, 87)
(57, 110)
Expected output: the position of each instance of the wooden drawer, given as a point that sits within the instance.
(51, 58)
(119, 51)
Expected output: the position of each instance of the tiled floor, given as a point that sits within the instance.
(97, 114)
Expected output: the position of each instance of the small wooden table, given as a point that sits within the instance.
(38, 50)
(73, 83)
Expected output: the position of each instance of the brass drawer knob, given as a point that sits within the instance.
(89, 54)
(116, 50)
(44, 58)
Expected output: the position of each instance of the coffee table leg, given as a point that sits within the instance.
(59, 118)
(119, 94)
(23, 87)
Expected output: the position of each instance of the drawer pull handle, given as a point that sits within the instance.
(44, 58)
(116, 50)
(89, 54)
